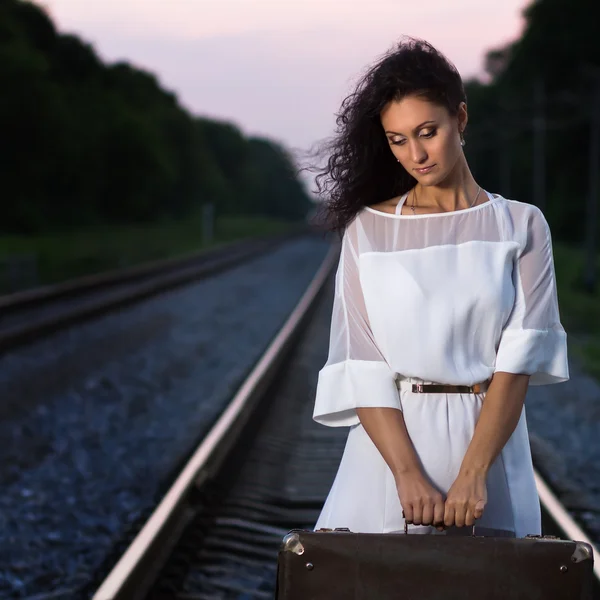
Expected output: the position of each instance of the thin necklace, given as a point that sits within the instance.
(415, 195)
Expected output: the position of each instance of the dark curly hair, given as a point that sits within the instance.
(360, 169)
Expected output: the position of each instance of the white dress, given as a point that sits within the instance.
(448, 298)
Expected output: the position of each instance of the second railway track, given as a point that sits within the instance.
(264, 469)
(29, 315)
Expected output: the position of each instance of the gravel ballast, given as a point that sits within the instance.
(94, 419)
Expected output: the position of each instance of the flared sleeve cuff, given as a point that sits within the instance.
(342, 387)
(540, 353)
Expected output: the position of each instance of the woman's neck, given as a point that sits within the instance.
(454, 193)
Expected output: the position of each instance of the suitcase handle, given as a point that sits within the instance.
(474, 531)
(406, 527)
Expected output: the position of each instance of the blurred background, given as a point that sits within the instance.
(140, 131)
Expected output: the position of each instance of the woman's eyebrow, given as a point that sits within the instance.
(415, 129)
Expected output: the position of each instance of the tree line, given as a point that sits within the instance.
(83, 142)
(533, 131)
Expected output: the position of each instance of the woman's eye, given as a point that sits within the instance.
(424, 135)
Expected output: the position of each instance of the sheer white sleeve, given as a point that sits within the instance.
(356, 373)
(533, 340)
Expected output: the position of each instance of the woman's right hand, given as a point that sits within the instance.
(422, 503)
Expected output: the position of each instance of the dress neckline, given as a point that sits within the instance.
(491, 199)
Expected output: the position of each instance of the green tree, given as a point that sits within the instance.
(85, 142)
(557, 51)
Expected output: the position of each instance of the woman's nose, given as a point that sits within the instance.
(417, 153)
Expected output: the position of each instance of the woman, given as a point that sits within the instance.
(439, 283)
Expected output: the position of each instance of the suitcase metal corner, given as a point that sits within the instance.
(291, 543)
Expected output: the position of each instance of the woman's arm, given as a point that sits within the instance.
(387, 430)
(532, 350)
(497, 420)
(422, 503)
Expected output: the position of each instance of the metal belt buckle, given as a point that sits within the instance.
(417, 387)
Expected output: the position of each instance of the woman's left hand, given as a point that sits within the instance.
(466, 500)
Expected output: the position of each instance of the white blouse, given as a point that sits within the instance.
(449, 298)
(445, 297)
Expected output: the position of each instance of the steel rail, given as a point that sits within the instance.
(143, 282)
(38, 295)
(564, 521)
(125, 579)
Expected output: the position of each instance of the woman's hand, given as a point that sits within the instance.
(466, 500)
(422, 503)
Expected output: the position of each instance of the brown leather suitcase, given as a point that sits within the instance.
(342, 565)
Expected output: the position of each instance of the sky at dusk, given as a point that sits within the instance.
(279, 68)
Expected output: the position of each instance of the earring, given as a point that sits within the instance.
(462, 139)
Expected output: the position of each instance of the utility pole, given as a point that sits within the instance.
(591, 223)
(539, 143)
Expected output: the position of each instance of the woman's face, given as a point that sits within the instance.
(422, 134)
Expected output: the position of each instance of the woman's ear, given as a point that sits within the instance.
(463, 117)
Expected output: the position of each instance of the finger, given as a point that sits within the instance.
(479, 508)
(407, 513)
(427, 514)
(417, 513)
(438, 516)
(448, 516)
(459, 516)
(469, 519)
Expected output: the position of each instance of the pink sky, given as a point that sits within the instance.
(279, 68)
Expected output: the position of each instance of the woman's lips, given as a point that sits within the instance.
(425, 169)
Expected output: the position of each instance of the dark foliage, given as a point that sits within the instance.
(549, 71)
(549, 74)
(86, 143)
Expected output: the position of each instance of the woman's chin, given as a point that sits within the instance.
(430, 181)
(438, 180)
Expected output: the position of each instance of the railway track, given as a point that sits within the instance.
(29, 315)
(263, 469)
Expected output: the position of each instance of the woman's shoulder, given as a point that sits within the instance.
(517, 204)
(386, 206)
(525, 210)
(524, 221)
(361, 231)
